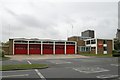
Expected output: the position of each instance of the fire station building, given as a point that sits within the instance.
(38, 46)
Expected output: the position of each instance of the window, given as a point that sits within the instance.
(60, 42)
(35, 42)
(93, 41)
(47, 42)
(70, 42)
(87, 48)
(20, 41)
(93, 48)
(104, 42)
(105, 48)
(88, 42)
(84, 48)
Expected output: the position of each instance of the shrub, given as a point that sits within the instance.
(115, 53)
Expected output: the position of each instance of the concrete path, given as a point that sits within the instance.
(25, 57)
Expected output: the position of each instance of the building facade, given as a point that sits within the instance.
(88, 33)
(37, 46)
(99, 46)
(96, 46)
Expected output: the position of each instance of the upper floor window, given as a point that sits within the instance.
(104, 42)
(93, 41)
(105, 48)
(88, 42)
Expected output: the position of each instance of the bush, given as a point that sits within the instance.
(115, 53)
(2, 53)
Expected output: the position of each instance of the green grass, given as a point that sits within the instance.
(22, 67)
(4, 58)
(96, 55)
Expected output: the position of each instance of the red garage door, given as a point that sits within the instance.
(70, 49)
(20, 49)
(47, 48)
(34, 49)
(59, 49)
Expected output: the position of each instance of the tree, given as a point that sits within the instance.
(5, 43)
(117, 45)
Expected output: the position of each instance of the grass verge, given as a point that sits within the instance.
(4, 58)
(22, 67)
(96, 55)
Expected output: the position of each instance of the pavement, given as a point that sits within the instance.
(83, 68)
(26, 57)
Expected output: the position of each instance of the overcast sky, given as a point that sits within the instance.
(53, 20)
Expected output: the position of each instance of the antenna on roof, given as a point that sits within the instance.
(9, 30)
(72, 29)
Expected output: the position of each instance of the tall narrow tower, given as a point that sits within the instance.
(88, 33)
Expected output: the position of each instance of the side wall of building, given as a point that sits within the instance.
(10, 46)
(110, 46)
(104, 47)
(100, 46)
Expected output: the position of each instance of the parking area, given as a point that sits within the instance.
(72, 68)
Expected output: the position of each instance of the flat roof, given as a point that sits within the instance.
(98, 38)
(36, 39)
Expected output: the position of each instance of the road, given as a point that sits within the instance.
(70, 69)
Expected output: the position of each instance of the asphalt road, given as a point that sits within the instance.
(75, 69)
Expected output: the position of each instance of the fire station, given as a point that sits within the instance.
(38, 46)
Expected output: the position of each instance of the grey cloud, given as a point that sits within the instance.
(10, 11)
(68, 19)
(47, 19)
(32, 21)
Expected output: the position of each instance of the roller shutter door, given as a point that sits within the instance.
(59, 49)
(47, 48)
(20, 48)
(70, 49)
(34, 49)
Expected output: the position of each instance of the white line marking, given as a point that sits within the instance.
(90, 69)
(39, 74)
(59, 62)
(117, 65)
(8, 71)
(107, 76)
(29, 62)
(15, 75)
